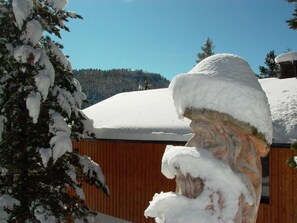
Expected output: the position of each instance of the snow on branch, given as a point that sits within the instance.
(93, 172)
(33, 105)
(33, 32)
(7, 202)
(60, 142)
(58, 4)
(60, 55)
(27, 54)
(22, 9)
(65, 100)
(72, 174)
(42, 212)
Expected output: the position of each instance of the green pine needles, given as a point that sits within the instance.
(293, 161)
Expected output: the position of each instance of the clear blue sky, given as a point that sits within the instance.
(164, 36)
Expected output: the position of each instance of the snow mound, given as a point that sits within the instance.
(224, 83)
(220, 183)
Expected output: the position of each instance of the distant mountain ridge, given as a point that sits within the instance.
(101, 84)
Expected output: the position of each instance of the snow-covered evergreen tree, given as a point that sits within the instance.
(40, 173)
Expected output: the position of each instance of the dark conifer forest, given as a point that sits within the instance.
(101, 84)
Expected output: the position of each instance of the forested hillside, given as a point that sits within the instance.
(100, 84)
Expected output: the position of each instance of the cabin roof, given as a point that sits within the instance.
(139, 115)
(150, 115)
(284, 57)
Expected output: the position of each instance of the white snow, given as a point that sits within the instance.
(78, 95)
(48, 67)
(284, 57)
(7, 202)
(140, 115)
(33, 32)
(46, 154)
(42, 82)
(27, 54)
(22, 9)
(60, 56)
(72, 174)
(46, 76)
(92, 168)
(150, 115)
(58, 124)
(44, 215)
(33, 105)
(60, 142)
(282, 97)
(224, 83)
(220, 182)
(58, 4)
(65, 99)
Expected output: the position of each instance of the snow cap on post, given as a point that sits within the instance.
(224, 83)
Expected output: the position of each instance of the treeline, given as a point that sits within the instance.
(101, 84)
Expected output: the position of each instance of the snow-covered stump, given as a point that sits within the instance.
(218, 173)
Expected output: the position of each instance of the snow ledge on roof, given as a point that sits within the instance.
(285, 57)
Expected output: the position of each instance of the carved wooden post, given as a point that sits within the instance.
(219, 170)
(234, 142)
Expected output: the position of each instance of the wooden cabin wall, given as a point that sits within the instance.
(132, 171)
(133, 174)
(282, 189)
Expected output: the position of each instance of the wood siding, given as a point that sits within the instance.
(283, 189)
(132, 171)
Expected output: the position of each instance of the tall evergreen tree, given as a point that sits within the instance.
(40, 173)
(272, 68)
(207, 50)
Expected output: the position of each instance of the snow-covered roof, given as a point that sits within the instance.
(284, 57)
(282, 97)
(139, 115)
(150, 115)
